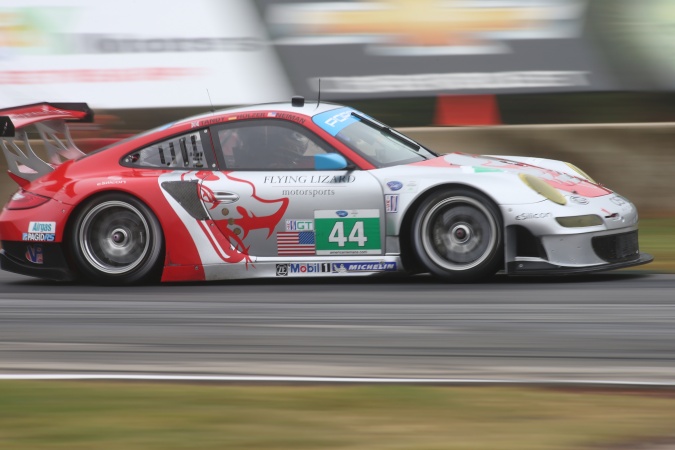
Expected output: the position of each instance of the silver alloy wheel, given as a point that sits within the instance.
(114, 237)
(459, 233)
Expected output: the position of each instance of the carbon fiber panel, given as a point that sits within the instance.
(187, 194)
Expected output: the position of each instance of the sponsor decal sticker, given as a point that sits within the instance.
(111, 180)
(42, 227)
(295, 243)
(302, 180)
(370, 266)
(35, 254)
(39, 237)
(282, 270)
(355, 232)
(310, 268)
(40, 232)
(300, 225)
(391, 203)
(394, 185)
(307, 192)
(527, 216)
(335, 120)
(579, 200)
(410, 187)
(618, 200)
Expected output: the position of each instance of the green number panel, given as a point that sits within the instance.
(357, 233)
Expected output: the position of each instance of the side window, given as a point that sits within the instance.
(181, 152)
(268, 144)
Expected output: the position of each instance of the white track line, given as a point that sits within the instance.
(327, 380)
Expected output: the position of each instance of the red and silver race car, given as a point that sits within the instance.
(293, 190)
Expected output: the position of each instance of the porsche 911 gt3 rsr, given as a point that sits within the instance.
(293, 190)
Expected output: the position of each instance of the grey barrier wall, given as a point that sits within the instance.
(636, 160)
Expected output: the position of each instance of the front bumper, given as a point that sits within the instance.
(41, 260)
(537, 243)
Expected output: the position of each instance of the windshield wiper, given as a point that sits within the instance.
(390, 131)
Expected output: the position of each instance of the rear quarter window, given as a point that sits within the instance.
(188, 151)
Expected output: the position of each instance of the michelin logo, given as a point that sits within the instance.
(363, 267)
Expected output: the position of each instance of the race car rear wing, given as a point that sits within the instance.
(23, 164)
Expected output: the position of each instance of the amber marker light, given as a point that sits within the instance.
(590, 220)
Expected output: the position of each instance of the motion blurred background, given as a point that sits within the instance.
(591, 82)
(588, 81)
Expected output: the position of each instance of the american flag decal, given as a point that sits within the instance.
(294, 243)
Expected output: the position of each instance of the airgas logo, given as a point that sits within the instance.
(42, 227)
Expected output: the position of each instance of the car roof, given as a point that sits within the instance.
(309, 109)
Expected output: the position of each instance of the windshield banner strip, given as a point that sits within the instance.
(335, 120)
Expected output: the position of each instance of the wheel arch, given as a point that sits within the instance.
(86, 200)
(408, 256)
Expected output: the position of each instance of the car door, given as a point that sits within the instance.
(272, 204)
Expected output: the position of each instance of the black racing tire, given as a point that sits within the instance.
(457, 234)
(116, 239)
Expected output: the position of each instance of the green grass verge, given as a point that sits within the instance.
(657, 237)
(107, 415)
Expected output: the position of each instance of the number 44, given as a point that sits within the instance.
(357, 234)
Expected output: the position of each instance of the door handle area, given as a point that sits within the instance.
(226, 197)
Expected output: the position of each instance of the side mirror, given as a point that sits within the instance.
(329, 161)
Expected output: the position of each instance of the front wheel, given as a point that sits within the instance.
(116, 239)
(457, 235)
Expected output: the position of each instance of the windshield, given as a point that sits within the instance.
(377, 143)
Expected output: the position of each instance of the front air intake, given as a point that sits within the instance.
(617, 247)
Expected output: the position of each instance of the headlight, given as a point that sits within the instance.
(580, 172)
(590, 220)
(543, 188)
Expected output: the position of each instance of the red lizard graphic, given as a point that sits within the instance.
(249, 221)
(229, 246)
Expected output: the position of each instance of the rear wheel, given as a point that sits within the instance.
(457, 235)
(116, 239)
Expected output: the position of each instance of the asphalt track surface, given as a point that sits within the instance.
(618, 327)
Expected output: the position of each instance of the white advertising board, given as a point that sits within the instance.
(116, 54)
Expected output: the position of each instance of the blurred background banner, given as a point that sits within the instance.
(126, 54)
(638, 39)
(136, 54)
(385, 48)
